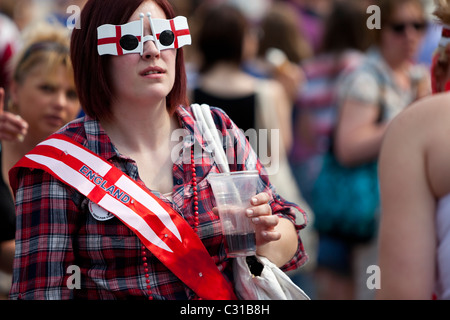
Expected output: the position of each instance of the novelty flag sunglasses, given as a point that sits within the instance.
(129, 38)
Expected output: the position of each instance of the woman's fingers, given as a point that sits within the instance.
(12, 127)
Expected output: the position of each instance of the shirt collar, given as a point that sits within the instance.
(97, 139)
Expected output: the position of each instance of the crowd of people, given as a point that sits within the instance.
(312, 79)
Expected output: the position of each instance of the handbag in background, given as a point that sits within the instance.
(346, 200)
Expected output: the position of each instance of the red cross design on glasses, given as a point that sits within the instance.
(115, 40)
(177, 33)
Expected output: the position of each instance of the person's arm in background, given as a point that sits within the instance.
(358, 133)
(358, 136)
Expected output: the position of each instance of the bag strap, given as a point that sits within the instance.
(208, 130)
(160, 228)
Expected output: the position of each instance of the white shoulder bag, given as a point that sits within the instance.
(255, 277)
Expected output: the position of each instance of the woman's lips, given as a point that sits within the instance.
(153, 72)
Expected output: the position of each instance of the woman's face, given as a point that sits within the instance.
(46, 102)
(402, 37)
(148, 78)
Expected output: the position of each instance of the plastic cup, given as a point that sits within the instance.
(233, 192)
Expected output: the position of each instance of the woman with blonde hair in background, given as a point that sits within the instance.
(42, 99)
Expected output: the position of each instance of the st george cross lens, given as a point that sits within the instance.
(167, 38)
(129, 42)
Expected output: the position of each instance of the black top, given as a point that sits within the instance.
(240, 109)
(7, 210)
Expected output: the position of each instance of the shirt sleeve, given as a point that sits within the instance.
(360, 86)
(244, 158)
(45, 224)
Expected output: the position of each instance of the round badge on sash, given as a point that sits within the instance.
(99, 213)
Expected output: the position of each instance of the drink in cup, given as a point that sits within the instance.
(233, 192)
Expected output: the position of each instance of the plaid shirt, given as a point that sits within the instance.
(55, 229)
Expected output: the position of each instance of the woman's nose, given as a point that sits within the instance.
(150, 50)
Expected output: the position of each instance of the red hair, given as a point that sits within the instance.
(91, 71)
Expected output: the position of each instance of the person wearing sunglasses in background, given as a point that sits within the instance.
(414, 182)
(386, 82)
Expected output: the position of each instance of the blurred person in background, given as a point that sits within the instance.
(24, 12)
(224, 42)
(9, 45)
(312, 16)
(344, 44)
(345, 41)
(414, 179)
(281, 49)
(253, 10)
(42, 99)
(384, 84)
(65, 12)
(388, 79)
